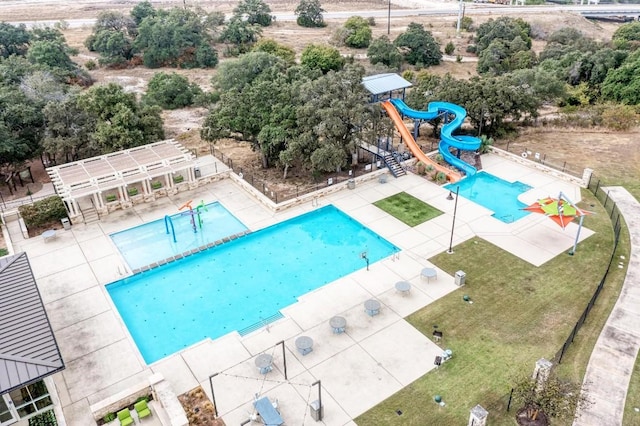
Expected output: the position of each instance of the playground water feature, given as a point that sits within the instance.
(241, 285)
(494, 194)
(163, 238)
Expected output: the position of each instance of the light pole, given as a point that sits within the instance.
(453, 225)
(389, 19)
(459, 18)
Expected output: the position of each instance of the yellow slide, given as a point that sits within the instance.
(393, 114)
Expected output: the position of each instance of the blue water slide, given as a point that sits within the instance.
(447, 140)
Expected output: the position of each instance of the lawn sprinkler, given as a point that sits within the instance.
(467, 299)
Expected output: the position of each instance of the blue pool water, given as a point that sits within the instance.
(149, 243)
(494, 194)
(243, 282)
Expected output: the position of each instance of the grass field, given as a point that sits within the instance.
(520, 313)
(408, 209)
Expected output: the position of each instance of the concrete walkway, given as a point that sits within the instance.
(608, 374)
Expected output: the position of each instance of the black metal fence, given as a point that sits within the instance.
(595, 186)
(367, 163)
(544, 159)
(9, 205)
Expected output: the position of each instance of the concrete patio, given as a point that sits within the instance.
(357, 369)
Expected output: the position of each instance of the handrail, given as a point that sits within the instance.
(167, 221)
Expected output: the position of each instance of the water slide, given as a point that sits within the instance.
(407, 137)
(447, 140)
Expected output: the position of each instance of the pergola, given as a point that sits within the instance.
(114, 172)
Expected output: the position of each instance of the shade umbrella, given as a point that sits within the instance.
(561, 210)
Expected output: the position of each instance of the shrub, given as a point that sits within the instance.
(178, 178)
(409, 75)
(441, 177)
(90, 65)
(43, 212)
(111, 197)
(109, 417)
(3, 252)
(449, 48)
(619, 117)
(48, 418)
(156, 184)
(132, 191)
(458, 58)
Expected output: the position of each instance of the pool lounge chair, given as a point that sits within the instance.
(142, 409)
(125, 417)
(268, 413)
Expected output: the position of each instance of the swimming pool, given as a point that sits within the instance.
(149, 243)
(494, 194)
(243, 282)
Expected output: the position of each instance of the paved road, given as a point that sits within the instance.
(434, 9)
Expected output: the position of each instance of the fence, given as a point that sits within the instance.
(595, 186)
(366, 160)
(544, 159)
(11, 205)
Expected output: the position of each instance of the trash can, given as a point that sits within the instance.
(460, 278)
(66, 224)
(316, 411)
(196, 171)
(351, 183)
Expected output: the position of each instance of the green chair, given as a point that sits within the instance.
(142, 409)
(125, 417)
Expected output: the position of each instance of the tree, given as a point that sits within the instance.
(171, 91)
(381, 50)
(358, 32)
(112, 37)
(141, 11)
(322, 57)
(173, 38)
(556, 398)
(255, 11)
(120, 122)
(627, 36)
(242, 34)
(504, 28)
(50, 54)
(271, 46)
(418, 46)
(309, 13)
(623, 84)
(14, 40)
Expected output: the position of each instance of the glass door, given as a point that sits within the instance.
(6, 415)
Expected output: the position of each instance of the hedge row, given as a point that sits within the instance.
(43, 212)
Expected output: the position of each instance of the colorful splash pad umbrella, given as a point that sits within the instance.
(562, 211)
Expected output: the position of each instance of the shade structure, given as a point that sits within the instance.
(561, 210)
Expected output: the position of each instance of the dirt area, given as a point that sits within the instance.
(199, 409)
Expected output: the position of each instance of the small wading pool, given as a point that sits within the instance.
(494, 194)
(149, 243)
(242, 283)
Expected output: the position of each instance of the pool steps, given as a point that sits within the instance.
(262, 323)
(190, 252)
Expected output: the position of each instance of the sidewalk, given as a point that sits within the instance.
(610, 367)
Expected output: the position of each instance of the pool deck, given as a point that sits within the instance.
(358, 368)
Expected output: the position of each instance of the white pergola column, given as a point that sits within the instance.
(168, 179)
(97, 199)
(122, 192)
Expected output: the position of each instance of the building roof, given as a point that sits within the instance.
(384, 83)
(28, 348)
(97, 174)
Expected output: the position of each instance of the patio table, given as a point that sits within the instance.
(338, 324)
(372, 307)
(429, 273)
(403, 287)
(263, 362)
(49, 234)
(304, 344)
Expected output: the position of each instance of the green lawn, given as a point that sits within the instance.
(408, 209)
(520, 313)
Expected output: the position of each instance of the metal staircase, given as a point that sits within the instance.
(394, 166)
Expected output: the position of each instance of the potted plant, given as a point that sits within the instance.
(178, 178)
(156, 184)
(111, 197)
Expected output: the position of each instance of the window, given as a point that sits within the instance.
(31, 399)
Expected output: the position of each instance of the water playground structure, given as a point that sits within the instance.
(191, 212)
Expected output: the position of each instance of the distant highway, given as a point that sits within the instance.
(439, 10)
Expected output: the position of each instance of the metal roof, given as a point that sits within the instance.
(384, 83)
(28, 349)
(97, 174)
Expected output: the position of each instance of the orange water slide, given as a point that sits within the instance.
(394, 115)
